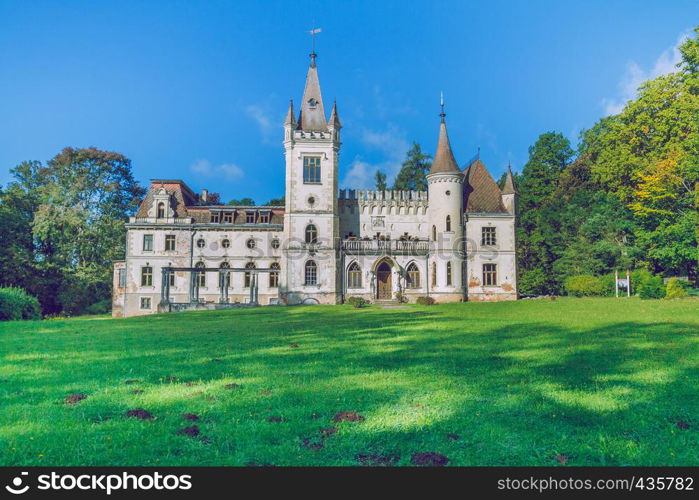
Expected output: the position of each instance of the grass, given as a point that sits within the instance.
(535, 382)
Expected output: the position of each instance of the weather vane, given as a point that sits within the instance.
(313, 34)
(441, 103)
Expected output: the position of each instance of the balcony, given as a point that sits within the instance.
(388, 247)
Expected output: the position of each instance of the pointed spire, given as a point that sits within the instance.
(312, 114)
(444, 161)
(509, 187)
(335, 118)
(290, 119)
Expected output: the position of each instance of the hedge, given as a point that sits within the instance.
(584, 286)
(15, 303)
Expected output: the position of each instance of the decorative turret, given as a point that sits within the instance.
(509, 192)
(289, 122)
(444, 161)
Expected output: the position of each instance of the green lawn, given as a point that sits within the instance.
(534, 382)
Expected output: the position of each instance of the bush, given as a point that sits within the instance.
(401, 297)
(651, 288)
(101, 307)
(357, 302)
(425, 301)
(584, 286)
(675, 289)
(16, 304)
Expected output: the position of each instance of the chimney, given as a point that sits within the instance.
(204, 195)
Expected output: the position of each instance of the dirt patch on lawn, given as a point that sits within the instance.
(453, 437)
(191, 384)
(192, 431)
(326, 432)
(131, 381)
(294, 346)
(140, 414)
(376, 460)
(682, 425)
(232, 386)
(429, 459)
(73, 399)
(192, 417)
(275, 419)
(137, 391)
(312, 444)
(348, 416)
(170, 378)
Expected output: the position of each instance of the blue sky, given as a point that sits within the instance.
(198, 90)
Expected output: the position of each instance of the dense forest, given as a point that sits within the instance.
(624, 198)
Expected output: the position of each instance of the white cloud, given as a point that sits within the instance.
(225, 171)
(635, 76)
(392, 144)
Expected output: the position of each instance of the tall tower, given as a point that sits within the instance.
(311, 222)
(445, 215)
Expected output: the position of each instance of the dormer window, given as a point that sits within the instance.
(161, 210)
(249, 217)
(264, 218)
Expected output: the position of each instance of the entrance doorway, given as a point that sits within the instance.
(383, 279)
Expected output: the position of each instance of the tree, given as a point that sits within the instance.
(249, 202)
(380, 181)
(412, 175)
(281, 201)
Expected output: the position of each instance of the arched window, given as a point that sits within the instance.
(413, 276)
(225, 275)
(248, 274)
(274, 275)
(311, 273)
(311, 234)
(448, 273)
(434, 274)
(354, 276)
(434, 233)
(201, 275)
(161, 210)
(448, 223)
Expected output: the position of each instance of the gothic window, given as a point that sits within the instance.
(448, 223)
(448, 273)
(413, 276)
(311, 273)
(201, 243)
(161, 210)
(248, 274)
(488, 236)
(146, 276)
(147, 242)
(311, 169)
(226, 243)
(250, 243)
(311, 234)
(145, 302)
(169, 242)
(275, 243)
(201, 275)
(490, 276)
(434, 233)
(354, 276)
(434, 274)
(225, 275)
(274, 275)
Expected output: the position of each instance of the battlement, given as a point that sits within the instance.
(383, 196)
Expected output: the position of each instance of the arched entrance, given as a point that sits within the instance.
(384, 285)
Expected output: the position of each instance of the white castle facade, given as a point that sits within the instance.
(453, 242)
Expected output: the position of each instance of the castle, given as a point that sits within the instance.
(453, 242)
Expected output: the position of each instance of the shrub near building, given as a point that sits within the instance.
(584, 286)
(16, 304)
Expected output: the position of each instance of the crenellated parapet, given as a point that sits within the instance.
(384, 202)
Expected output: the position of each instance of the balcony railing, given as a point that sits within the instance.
(391, 247)
(161, 220)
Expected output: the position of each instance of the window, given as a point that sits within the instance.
(275, 243)
(227, 217)
(201, 275)
(490, 275)
(311, 274)
(215, 217)
(161, 211)
(122, 277)
(311, 234)
(248, 274)
(169, 242)
(225, 275)
(201, 243)
(434, 233)
(226, 243)
(311, 169)
(249, 217)
(171, 278)
(354, 276)
(145, 302)
(264, 219)
(448, 223)
(274, 275)
(434, 274)
(488, 236)
(448, 273)
(146, 276)
(413, 276)
(147, 242)
(250, 243)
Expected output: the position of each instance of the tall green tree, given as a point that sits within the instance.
(380, 179)
(412, 175)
